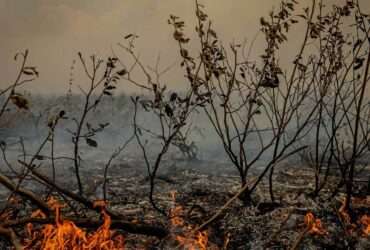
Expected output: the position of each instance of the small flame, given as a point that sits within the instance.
(199, 241)
(343, 213)
(365, 221)
(38, 214)
(202, 239)
(314, 225)
(350, 227)
(66, 235)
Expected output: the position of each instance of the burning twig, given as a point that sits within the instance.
(313, 226)
(347, 224)
(345, 219)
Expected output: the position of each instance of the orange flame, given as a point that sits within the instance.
(350, 227)
(365, 221)
(66, 235)
(343, 213)
(199, 241)
(314, 225)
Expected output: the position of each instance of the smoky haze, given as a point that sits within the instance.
(54, 31)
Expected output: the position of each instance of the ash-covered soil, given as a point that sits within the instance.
(203, 187)
(260, 226)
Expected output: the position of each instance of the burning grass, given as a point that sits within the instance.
(314, 222)
(314, 226)
(365, 221)
(188, 239)
(64, 234)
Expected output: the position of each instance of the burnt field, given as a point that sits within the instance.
(251, 153)
(194, 193)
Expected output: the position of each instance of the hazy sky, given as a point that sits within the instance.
(55, 30)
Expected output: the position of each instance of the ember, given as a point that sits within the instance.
(314, 225)
(365, 221)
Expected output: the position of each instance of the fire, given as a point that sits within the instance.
(176, 213)
(314, 225)
(346, 218)
(64, 234)
(343, 213)
(202, 239)
(189, 241)
(365, 221)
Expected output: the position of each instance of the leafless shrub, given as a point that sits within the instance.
(242, 98)
(102, 83)
(171, 110)
(245, 99)
(341, 121)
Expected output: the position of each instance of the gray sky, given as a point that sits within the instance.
(55, 30)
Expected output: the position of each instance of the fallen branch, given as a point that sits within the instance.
(127, 226)
(95, 223)
(223, 208)
(25, 194)
(86, 202)
(255, 181)
(12, 237)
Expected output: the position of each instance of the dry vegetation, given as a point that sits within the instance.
(303, 184)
